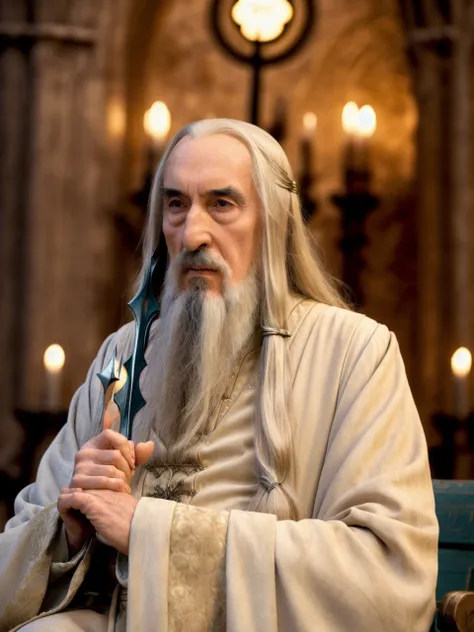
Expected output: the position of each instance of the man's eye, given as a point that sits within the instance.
(175, 204)
(222, 204)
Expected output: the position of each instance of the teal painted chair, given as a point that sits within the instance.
(455, 511)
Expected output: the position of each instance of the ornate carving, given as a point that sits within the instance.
(171, 483)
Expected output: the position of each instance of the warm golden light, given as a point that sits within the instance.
(262, 20)
(310, 123)
(54, 358)
(366, 121)
(350, 118)
(461, 362)
(116, 119)
(157, 121)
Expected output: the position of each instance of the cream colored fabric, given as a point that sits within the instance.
(197, 572)
(364, 556)
(75, 621)
(143, 564)
(27, 567)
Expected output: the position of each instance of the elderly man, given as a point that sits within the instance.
(278, 477)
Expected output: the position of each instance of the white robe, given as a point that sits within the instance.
(364, 556)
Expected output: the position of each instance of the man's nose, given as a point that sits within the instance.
(196, 232)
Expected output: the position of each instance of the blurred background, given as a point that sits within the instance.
(372, 101)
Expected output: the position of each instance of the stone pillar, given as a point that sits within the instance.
(460, 175)
(58, 66)
(430, 208)
(440, 39)
(15, 86)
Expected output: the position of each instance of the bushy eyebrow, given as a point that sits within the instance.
(229, 192)
(167, 192)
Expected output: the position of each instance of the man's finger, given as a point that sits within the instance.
(111, 414)
(101, 482)
(144, 452)
(71, 500)
(109, 439)
(98, 470)
(91, 457)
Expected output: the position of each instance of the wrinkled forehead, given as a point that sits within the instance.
(209, 162)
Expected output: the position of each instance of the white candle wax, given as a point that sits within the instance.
(461, 362)
(53, 359)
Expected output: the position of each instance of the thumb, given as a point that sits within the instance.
(143, 452)
(111, 414)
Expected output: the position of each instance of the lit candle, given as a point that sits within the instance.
(157, 123)
(310, 124)
(53, 360)
(350, 114)
(461, 363)
(366, 126)
(359, 125)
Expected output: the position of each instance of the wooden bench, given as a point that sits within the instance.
(455, 511)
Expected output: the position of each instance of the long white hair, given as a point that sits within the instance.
(288, 264)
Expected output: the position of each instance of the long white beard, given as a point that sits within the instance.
(199, 337)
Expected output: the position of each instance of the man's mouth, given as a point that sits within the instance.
(200, 269)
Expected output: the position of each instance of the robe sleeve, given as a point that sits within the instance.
(366, 560)
(32, 547)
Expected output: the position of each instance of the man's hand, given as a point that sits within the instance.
(109, 513)
(106, 462)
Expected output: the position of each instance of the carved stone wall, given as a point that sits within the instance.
(61, 66)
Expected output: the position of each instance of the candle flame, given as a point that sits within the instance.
(461, 362)
(310, 122)
(350, 114)
(157, 121)
(54, 358)
(366, 121)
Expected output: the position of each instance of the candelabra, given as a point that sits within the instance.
(156, 123)
(355, 206)
(453, 456)
(356, 201)
(307, 174)
(40, 426)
